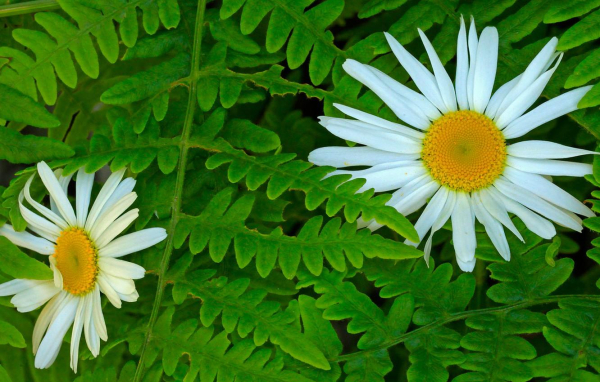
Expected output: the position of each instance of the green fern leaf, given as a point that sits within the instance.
(373, 7)
(246, 310)
(11, 336)
(431, 353)
(527, 275)
(562, 11)
(18, 148)
(18, 265)
(53, 54)
(306, 28)
(312, 243)
(496, 350)
(435, 295)
(13, 101)
(580, 33)
(573, 335)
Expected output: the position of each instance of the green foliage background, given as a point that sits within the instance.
(212, 106)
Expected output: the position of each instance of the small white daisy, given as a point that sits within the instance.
(83, 254)
(457, 154)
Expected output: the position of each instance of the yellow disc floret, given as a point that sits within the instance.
(77, 260)
(464, 151)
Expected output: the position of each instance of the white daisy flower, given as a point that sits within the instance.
(456, 152)
(83, 254)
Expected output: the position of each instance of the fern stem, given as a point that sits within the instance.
(176, 203)
(462, 316)
(28, 7)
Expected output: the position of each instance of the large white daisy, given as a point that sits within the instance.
(83, 254)
(456, 152)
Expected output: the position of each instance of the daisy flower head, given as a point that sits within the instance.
(455, 156)
(84, 252)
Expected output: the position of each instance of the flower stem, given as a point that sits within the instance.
(176, 203)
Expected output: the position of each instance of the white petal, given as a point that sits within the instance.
(462, 67)
(410, 192)
(413, 116)
(463, 228)
(534, 222)
(430, 213)
(497, 211)
(43, 227)
(547, 190)
(133, 242)
(373, 120)
(53, 339)
(64, 184)
(387, 176)
(472, 45)
(109, 292)
(58, 279)
(27, 240)
(124, 188)
(485, 68)
(499, 96)
(549, 110)
(76, 333)
(544, 150)
(111, 214)
(33, 298)
(132, 297)
(355, 156)
(105, 193)
(549, 166)
(116, 228)
(83, 192)
(422, 77)
(91, 334)
(120, 285)
(97, 315)
(412, 201)
(405, 132)
(525, 99)
(537, 66)
(49, 214)
(530, 200)
(439, 222)
(45, 318)
(444, 83)
(466, 266)
(15, 286)
(57, 193)
(121, 268)
(373, 137)
(409, 96)
(493, 228)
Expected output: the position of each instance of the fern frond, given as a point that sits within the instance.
(108, 374)
(221, 223)
(307, 29)
(247, 311)
(573, 334)
(496, 350)
(527, 275)
(53, 49)
(435, 295)
(214, 77)
(212, 357)
(341, 300)
(282, 173)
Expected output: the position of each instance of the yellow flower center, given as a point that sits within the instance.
(464, 151)
(77, 260)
